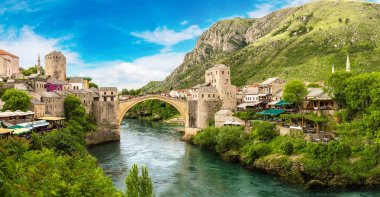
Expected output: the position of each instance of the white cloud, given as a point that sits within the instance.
(17, 5)
(168, 37)
(270, 6)
(261, 10)
(134, 74)
(26, 44)
(184, 22)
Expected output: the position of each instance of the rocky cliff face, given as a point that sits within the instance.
(293, 43)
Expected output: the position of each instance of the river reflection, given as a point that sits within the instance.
(180, 169)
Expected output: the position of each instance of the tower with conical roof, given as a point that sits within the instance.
(348, 64)
(38, 66)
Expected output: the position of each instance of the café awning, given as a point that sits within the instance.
(272, 112)
(282, 103)
(21, 131)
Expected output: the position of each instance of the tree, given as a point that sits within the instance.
(139, 186)
(73, 108)
(295, 92)
(16, 100)
(93, 85)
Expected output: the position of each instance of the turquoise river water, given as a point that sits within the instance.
(180, 169)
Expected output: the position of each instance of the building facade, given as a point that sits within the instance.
(9, 64)
(55, 65)
(219, 76)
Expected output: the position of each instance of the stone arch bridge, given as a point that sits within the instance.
(179, 104)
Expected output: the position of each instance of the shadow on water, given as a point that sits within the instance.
(180, 169)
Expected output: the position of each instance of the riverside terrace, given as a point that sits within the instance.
(23, 124)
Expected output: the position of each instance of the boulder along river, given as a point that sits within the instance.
(181, 169)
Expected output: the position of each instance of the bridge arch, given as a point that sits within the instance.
(179, 104)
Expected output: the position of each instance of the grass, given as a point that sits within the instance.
(322, 40)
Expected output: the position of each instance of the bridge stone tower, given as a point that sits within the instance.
(219, 76)
(105, 108)
(55, 65)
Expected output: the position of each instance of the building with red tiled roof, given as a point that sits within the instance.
(9, 64)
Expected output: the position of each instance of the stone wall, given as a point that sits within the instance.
(105, 113)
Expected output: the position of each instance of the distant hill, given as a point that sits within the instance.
(293, 43)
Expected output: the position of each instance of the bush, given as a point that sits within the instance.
(251, 152)
(264, 130)
(229, 138)
(206, 138)
(287, 148)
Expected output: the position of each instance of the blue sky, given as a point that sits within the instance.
(121, 43)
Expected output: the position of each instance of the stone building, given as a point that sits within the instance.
(85, 96)
(219, 76)
(37, 107)
(9, 64)
(78, 83)
(226, 118)
(54, 103)
(202, 105)
(53, 84)
(108, 94)
(55, 65)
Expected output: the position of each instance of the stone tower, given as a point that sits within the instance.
(219, 76)
(55, 65)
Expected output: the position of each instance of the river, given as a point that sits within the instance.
(180, 169)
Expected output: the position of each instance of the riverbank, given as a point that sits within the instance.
(312, 165)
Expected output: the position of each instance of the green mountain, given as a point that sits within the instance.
(293, 43)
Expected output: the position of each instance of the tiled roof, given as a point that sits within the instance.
(49, 94)
(76, 80)
(36, 102)
(317, 93)
(54, 53)
(2, 52)
(207, 89)
(251, 91)
(218, 66)
(108, 89)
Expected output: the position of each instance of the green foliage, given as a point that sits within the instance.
(246, 115)
(93, 85)
(29, 71)
(287, 148)
(229, 138)
(264, 130)
(206, 138)
(131, 92)
(252, 152)
(153, 110)
(138, 186)
(26, 172)
(16, 100)
(76, 115)
(295, 92)
(313, 85)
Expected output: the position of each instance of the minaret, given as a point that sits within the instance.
(348, 64)
(333, 69)
(38, 66)
(39, 60)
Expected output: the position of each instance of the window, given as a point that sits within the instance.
(111, 93)
(209, 96)
(105, 93)
(222, 72)
(203, 95)
(111, 98)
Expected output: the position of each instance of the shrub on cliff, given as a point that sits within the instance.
(287, 148)
(229, 138)
(251, 152)
(206, 138)
(264, 130)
